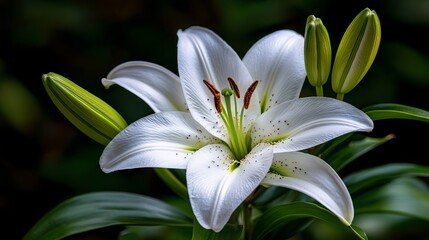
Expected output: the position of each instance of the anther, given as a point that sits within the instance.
(211, 87)
(234, 86)
(218, 102)
(249, 93)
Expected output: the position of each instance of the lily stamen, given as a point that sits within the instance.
(232, 118)
(249, 93)
(218, 102)
(216, 95)
(211, 87)
(234, 86)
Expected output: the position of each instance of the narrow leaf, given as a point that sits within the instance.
(97, 210)
(372, 177)
(396, 111)
(353, 150)
(275, 218)
(326, 148)
(403, 196)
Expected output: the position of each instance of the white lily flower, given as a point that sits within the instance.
(234, 124)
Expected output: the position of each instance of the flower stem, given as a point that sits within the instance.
(247, 221)
(319, 91)
(247, 212)
(340, 96)
(168, 177)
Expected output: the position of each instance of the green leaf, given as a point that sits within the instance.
(328, 147)
(353, 150)
(372, 177)
(155, 232)
(97, 210)
(403, 196)
(276, 218)
(228, 232)
(396, 111)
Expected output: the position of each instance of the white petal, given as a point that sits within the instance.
(314, 177)
(306, 122)
(202, 55)
(165, 139)
(277, 60)
(216, 188)
(157, 86)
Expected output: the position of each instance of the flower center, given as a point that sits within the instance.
(233, 119)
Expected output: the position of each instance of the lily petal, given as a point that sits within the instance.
(165, 140)
(156, 85)
(314, 177)
(306, 122)
(277, 60)
(217, 186)
(203, 55)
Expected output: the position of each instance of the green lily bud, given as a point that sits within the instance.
(88, 113)
(356, 52)
(317, 53)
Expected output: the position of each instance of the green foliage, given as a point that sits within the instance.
(396, 111)
(228, 232)
(101, 209)
(275, 222)
(353, 150)
(402, 196)
(372, 177)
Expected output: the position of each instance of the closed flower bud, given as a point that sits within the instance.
(317, 53)
(356, 52)
(88, 113)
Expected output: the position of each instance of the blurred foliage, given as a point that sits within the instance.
(46, 160)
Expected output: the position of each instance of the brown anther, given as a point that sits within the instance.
(218, 102)
(249, 93)
(234, 86)
(212, 88)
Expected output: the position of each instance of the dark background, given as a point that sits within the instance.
(45, 160)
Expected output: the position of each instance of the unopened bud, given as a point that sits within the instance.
(88, 113)
(317, 53)
(356, 52)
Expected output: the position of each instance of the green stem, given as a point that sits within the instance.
(247, 221)
(319, 91)
(340, 96)
(247, 212)
(175, 184)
